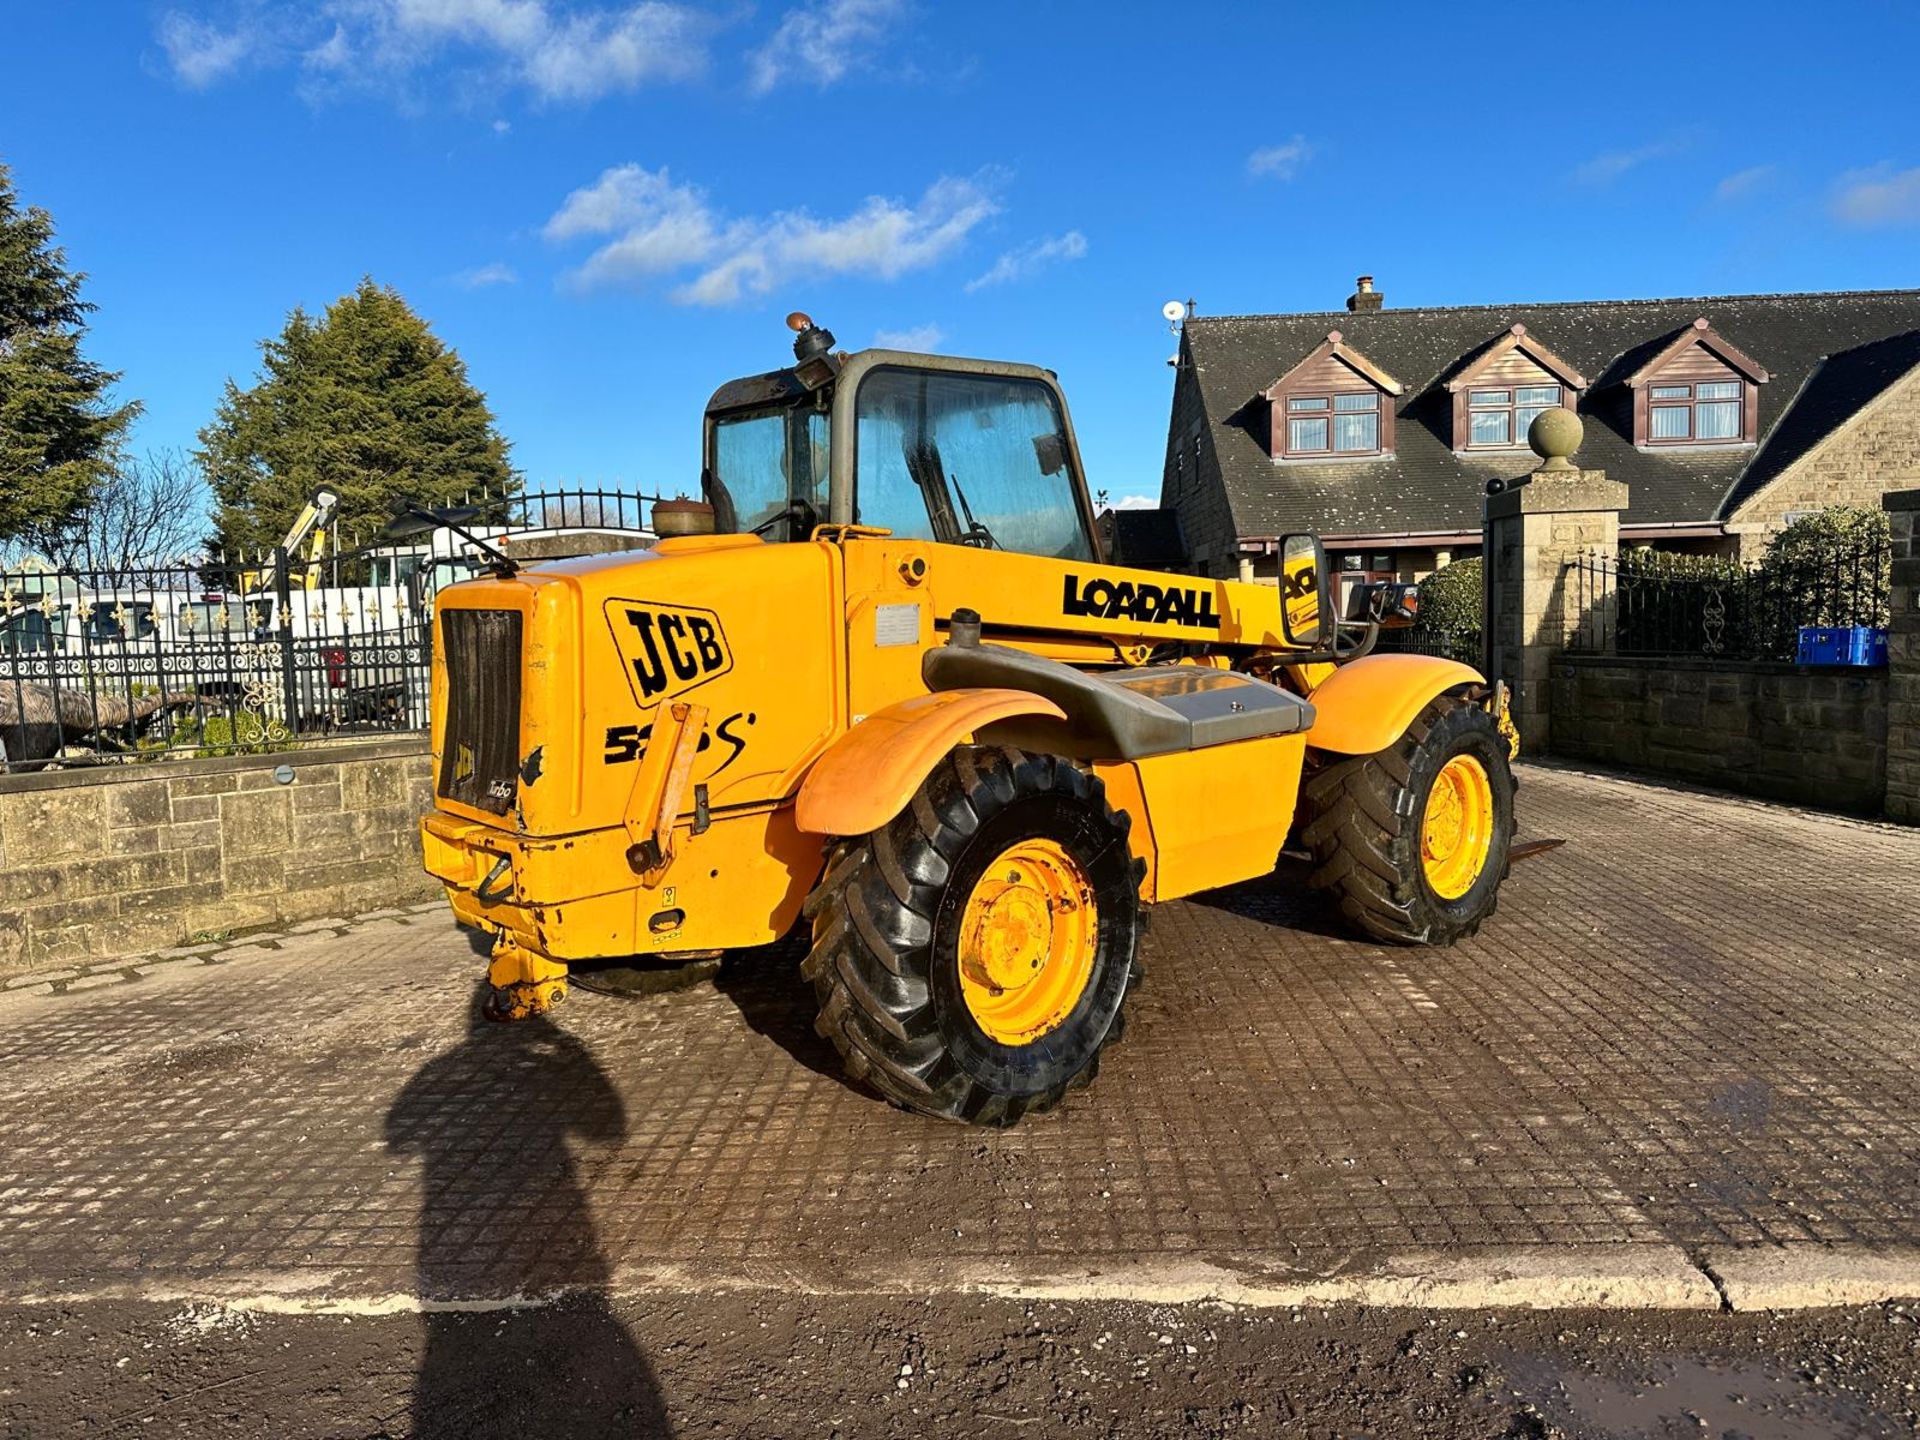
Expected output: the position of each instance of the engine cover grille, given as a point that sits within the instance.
(480, 758)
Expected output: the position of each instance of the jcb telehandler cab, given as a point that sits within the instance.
(898, 691)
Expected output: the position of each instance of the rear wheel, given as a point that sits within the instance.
(972, 957)
(1412, 841)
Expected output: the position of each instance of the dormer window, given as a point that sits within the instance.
(1498, 391)
(1344, 424)
(1708, 411)
(1498, 419)
(1333, 405)
(1698, 390)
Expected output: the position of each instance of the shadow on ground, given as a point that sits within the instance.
(775, 1002)
(503, 1214)
(1281, 898)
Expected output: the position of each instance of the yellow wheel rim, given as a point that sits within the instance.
(1027, 938)
(1457, 834)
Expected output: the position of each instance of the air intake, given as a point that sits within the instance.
(479, 758)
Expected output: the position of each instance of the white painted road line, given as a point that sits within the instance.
(1533, 1277)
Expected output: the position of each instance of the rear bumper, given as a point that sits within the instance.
(541, 891)
(576, 897)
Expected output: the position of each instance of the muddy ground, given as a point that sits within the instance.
(779, 1366)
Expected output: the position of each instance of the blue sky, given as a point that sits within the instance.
(608, 208)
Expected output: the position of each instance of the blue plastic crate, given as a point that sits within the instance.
(1843, 645)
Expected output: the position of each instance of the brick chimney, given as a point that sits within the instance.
(1364, 296)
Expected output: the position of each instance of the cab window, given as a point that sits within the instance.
(765, 461)
(969, 460)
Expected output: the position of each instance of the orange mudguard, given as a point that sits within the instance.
(867, 776)
(1367, 704)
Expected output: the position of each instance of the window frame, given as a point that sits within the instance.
(805, 482)
(1690, 404)
(1510, 407)
(1323, 404)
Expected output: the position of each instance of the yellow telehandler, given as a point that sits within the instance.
(887, 681)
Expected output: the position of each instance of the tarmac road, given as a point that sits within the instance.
(784, 1367)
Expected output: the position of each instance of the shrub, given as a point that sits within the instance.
(245, 732)
(1644, 562)
(1833, 567)
(1451, 599)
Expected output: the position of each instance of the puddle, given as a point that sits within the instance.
(1690, 1397)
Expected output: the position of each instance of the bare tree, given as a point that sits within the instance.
(149, 512)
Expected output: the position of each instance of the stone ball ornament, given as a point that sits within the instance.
(1554, 435)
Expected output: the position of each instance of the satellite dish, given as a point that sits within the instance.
(1174, 311)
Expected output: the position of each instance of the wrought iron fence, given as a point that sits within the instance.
(1450, 643)
(1648, 603)
(578, 509)
(220, 658)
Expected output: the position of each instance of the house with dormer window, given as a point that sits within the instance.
(1727, 416)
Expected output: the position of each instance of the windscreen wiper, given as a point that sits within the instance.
(975, 530)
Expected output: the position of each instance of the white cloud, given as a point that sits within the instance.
(923, 338)
(1879, 196)
(201, 53)
(335, 53)
(1031, 258)
(591, 55)
(822, 42)
(496, 272)
(660, 227)
(558, 50)
(1606, 168)
(1282, 161)
(516, 25)
(1136, 502)
(501, 127)
(1743, 183)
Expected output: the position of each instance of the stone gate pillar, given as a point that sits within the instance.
(1903, 659)
(1535, 528)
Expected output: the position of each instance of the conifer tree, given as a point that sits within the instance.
(364, 401)
(60, 430)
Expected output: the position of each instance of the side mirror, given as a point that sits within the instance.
(407, 525)
(414, 521)
(1306, 599)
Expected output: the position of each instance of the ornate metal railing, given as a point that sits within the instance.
(1450, 643)
(223, 657)
(1649, 603)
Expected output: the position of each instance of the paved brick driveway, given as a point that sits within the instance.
(1698, 1024)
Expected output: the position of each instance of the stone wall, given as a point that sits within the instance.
(1903, 657)
(1875, 451)
(121, 860)
(1810, 735)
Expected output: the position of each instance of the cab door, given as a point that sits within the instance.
(975, 476)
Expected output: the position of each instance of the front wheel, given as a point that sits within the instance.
(1412, 841)
(972, 956)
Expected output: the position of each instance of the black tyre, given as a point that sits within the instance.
(1412, 841)
(1017, 860)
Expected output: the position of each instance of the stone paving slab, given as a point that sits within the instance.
(1694, 1028)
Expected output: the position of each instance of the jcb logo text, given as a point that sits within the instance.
(667, 649)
